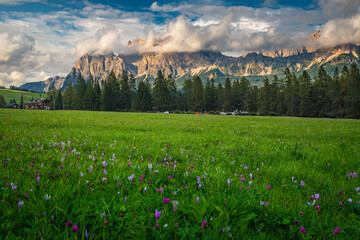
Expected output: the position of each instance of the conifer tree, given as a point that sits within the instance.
(188, 91)
(88, 101)
(219, 98)
(305, 94)
(227, 96)
(142, 100)
(244, 94)
(125, 91)
(210, 96)
(109, 98)
(97, 95)
(161, 93)
(69, 97)
(59, 100)
(265, 97)
(197, 95)
(80, 92)
(236, 96)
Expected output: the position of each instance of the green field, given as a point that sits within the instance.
(259, 176)
(11, 94)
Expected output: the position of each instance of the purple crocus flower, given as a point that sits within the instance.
(197, 199)
(317, 196)
(157, 214)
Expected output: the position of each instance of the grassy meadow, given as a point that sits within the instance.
(11, 94)
(106, 175)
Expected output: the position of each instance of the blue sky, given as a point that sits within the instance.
(43, 38)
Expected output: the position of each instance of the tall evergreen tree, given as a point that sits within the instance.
(161, 93)
(265, 97)
(354, 107)
(142, 100)
(236, 96)
(227, 96)
(274, 93)
(97, 95)
(88, 100)
(244, 94)
(125, 91)
(21, 101)
(59, 100)
(173, 93)
(109, 98)
(321, 93)
(188, 92)
(80, 92)
(253, 99)
(335, 95)
(305, 94)
(69, 98)
(210, 96)
(219, 97)
(197, 95)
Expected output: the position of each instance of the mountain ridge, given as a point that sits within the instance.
(210, 64)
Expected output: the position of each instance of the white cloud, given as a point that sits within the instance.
(341, 31)
(14, 78)
(340, 8)
(169, 7)
(182, 36)
(105, 41)
(14, 46)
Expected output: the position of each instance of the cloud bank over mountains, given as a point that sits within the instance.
(38, 44)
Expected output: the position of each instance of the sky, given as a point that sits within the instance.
(44, 38)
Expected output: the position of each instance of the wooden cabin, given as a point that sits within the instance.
(42, 103)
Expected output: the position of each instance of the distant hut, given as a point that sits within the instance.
(12, 105)
(42, 103)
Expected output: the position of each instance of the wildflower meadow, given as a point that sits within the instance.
(102, 175)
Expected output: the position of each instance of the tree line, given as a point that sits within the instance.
(324, 96)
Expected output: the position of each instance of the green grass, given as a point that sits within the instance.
(50, 145)
(10, 94)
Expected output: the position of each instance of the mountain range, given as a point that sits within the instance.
(206, 64)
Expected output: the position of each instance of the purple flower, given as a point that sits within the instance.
(166, 200)
(75, 228)
(302, 183)
(204, 224)
(200, 186)
(228, 182)
(268, 187)
(317, 196)
(157, 214)
(20, 203)
(86, 234)
(302, 230)
(68, 224)
(197, 199)
(38, 179)
(336, 231)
